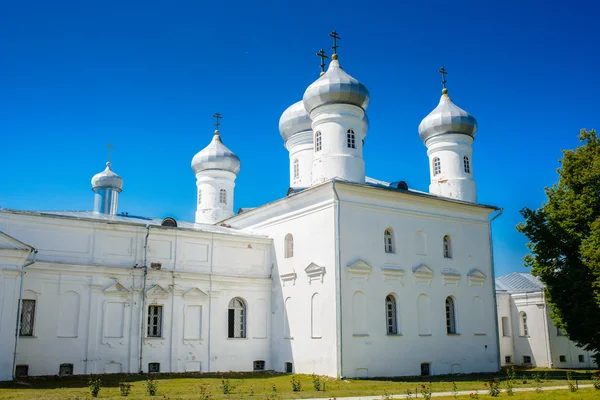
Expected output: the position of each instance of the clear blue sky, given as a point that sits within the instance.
(147, 77)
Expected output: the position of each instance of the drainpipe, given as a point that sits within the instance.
(20, 305)
(145, 267)
(494, 292)
(338, 269)
(212, 251)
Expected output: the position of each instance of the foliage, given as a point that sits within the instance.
(274, 388)
(524, 379)
(204, 393)
(409, 394)
(426, 391)
(511, 375)
(474, 396)
(226, 386)
(386, 396)
(493, 386)
(596, 380)
(151, 386)
(454, 390)
(572, 386)
(564, 240)
(124, 388)
(316, 381)
(296, 385)
(95, 384)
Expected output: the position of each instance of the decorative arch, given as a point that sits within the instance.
(68, 320)
(389, 241)
(424, 315)
(359, 314)
(450, 316)
(289, 245)
(420, 243)
(237, 316)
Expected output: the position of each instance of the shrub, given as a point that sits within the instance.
(596, 381)
(509, 387)
(493, 386)
(226, 386)
(296, 385)
(454, 390)
(151, 386)
(474, 396)
(124, 388)
(95, 384)
(426, 391)
(316, 380)
(273, 388)
(408, 394)
(572, 387)
(204, 393)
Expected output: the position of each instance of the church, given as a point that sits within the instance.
(346, 276)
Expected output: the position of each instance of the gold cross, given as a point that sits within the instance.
(217, 116)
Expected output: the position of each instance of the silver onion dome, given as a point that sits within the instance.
(447, 118)
(293, 120)
(107, 179)
(216, 156)
(335, 87)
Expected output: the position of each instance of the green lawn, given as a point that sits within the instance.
(278, 386)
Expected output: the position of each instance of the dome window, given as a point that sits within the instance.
(437, 166)
(296, 169)
(318, 143)
(467, 164)
(351, 138)
(223, 196)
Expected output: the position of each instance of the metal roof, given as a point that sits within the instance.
(519, 282)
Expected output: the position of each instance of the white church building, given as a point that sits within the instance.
(345, 276)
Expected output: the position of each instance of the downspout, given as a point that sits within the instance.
(338, 257)
(19, 306)
(494, 292)
(546, 333)
(145, 267)
(212, 250)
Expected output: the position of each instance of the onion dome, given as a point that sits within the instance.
(216, 156)
(293, 120)
(447, 118)
(335, 87)
(107, 179)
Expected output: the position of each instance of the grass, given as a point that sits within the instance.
(582, 394)
(278, 386)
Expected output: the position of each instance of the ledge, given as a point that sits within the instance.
(424, 334)
(360, 335)
(480, 334)
(452, 334)
(394, 335)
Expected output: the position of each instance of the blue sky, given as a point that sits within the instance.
(148, 76)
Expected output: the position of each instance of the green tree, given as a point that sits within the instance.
(564, 240)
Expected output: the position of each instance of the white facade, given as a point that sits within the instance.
(527, 335)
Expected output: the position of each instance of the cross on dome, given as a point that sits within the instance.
(217, 116)
(323, 56)
(335, 37)
(444, 73)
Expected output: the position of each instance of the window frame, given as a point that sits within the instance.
(66, 366)
(450, 306)
(258, 365)
(436, 166)
(524, 329)
(19, 370)
(30, 310)
(467, 164)
(296, 168)
(222, 196)
(232, 318)
(581, 358)
(507, 359)
(199, 196)
(447, 246)
(350, 139)
(562, 358)
(318, 142)
(389, 241)
(288, 246)
(157, 369)
(526, 359)
(391, 315)
(155, 326)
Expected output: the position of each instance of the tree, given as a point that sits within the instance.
(564, 240)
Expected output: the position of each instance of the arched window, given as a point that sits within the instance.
(289, 245)
(447, 247)
(437, 166)
(296, 169)
(223, 196)
(388, 241)
(237, 318)
(450, 316)
(467, 164)
(199, 196)
(391, 318)
(318, 143)
(524, 329)
(351, 139)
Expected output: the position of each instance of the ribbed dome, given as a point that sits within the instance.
(107, 179)
(293, 120)
(216, 156)
(447, 118)
(335, 87)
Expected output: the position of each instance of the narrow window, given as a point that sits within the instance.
(237, 318)
(559, 332)
(21, 371)
(65, 370)
(447, 246)
(450, 316)
(155, 321)
(259, 365)
(388, 241)
(526, 359)
(507, 359)
(581, 358)
(289, 245)
(27, 317)
(318, 143)
(199, 196)
(351, 138)
(425, 369)
(562, 358)
(154, 367)
(390, 315)
(467, 164)
(288, 367)
(223, 196)
(524, 329)
(437, 166)
(505, 328)
(296, 169)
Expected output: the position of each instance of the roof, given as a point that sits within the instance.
(130, 220)
(9, 242)
(519, 282)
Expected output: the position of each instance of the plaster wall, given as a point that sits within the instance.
(300, 147)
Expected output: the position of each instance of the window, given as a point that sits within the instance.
(259, 366)
(562, 358)
(237, 318)
(296, 169)
(288, 367)
(581, 358)
(450, 316)
(22, 371)
(351, 139)
(437, 166)
(154, 321)
(560, 332)
(27, 317)
(526, 359)
(505, 327)
(318, 143)
(447, 243)
(425, 369)
(154, 367)
(524, 329)
(467, 164)
(223, 196)
(65, 370)
(289, 245)
(199, 196)
(390, 315)
(507, 359)
(388, 240)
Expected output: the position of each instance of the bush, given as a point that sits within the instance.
(316, 380)
(124, 388)
(426, 391)
(151, 386)
(596, 381)
(296, 385)
(95, 385)
(493, 386)
(204, 393)
(226, 386)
